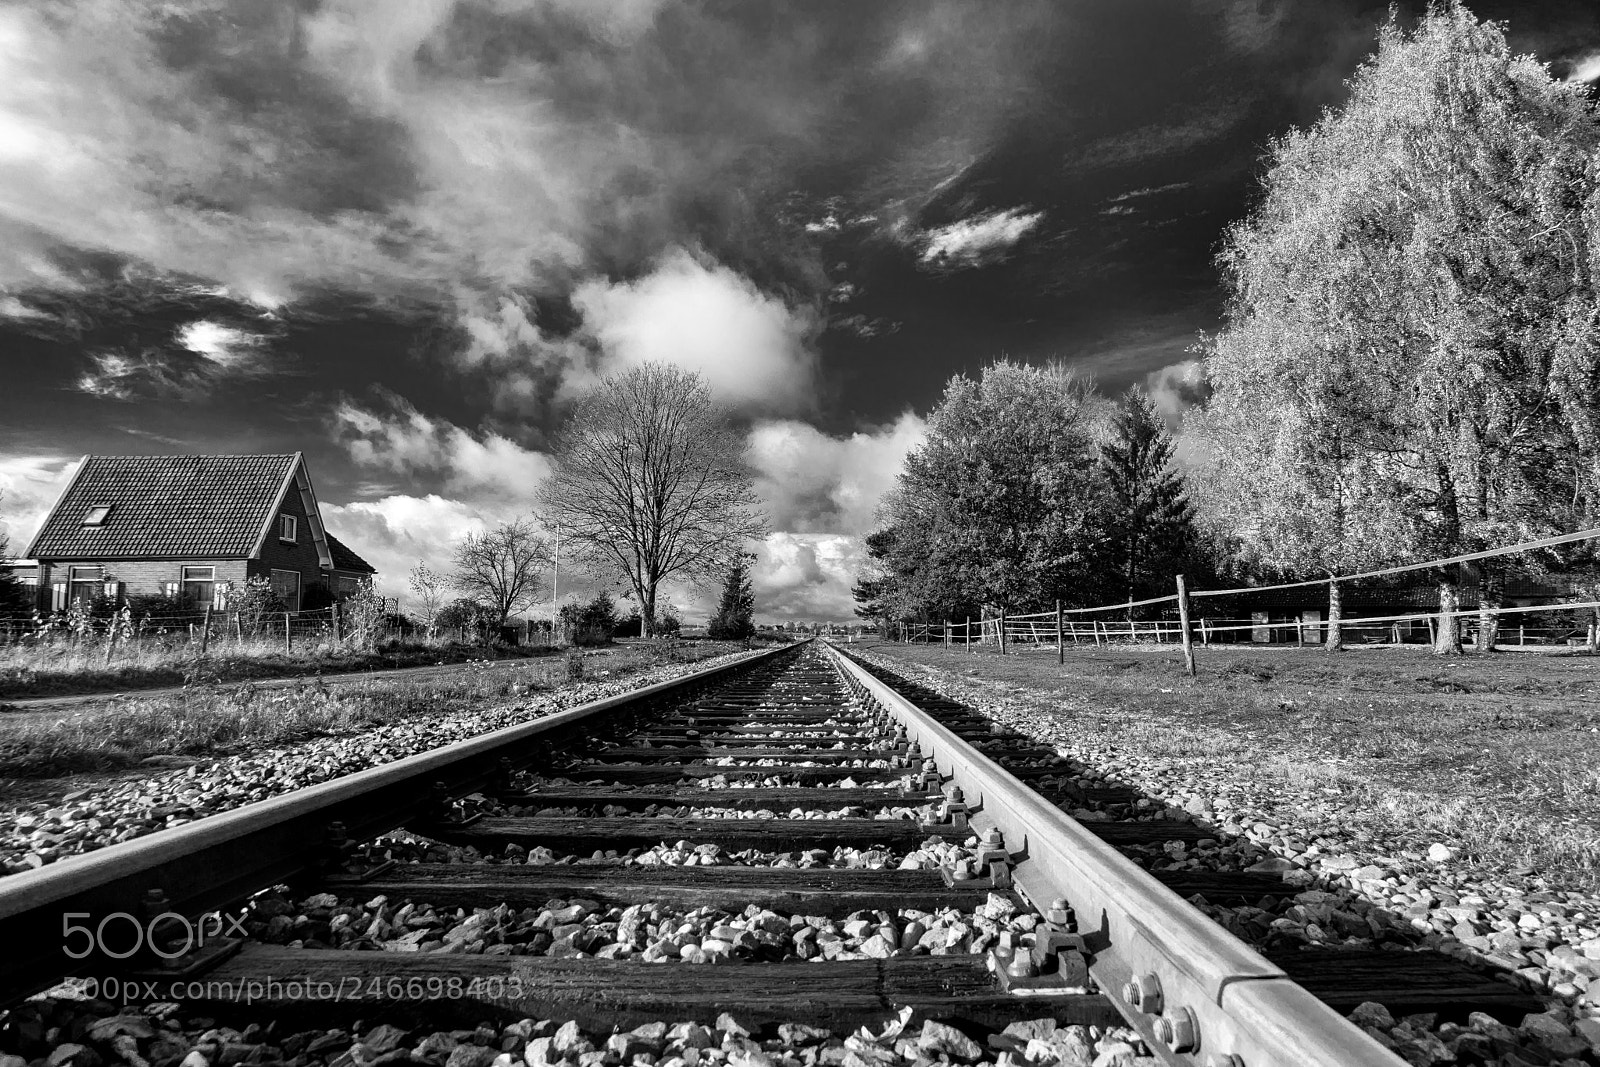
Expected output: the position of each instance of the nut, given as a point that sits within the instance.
(1143, 993)
(1176, 1029)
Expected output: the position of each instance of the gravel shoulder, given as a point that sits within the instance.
(44, 820)
(1407, 804)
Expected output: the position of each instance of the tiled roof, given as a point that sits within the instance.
(346, 560)
(164, 507)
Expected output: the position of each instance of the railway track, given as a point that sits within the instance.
(845, 854)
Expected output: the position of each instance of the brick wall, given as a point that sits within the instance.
(139, 577)
(298, 555)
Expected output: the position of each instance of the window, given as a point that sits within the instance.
(286, 587)
(200, 585)
(288, 526)
(84, 584)
(96, 515)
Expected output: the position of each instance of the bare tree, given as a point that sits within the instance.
(428, 585)
(501, 567)
(651, 482)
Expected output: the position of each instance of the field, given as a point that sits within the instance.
(213, 719)
(1498, 755)
(63, 669)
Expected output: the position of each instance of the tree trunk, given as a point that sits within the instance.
(1335, 642)
(1592, 639)
(1490, 592)
(1448, 640)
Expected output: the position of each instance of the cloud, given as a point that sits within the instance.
(806, 577)
(810, 482)
(206, 354)
(978, 240)
(752, 348)
(229, 347)
(404, 441)
(395, 533)
(1586, 70)
(1178, 389)
(29, 487)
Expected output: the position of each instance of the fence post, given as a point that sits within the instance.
(111, 640)
(1183, 622)
(288, 637)
(335, 610)
(1205, 633)
(967, 633)
(947, 633)
(205, 632)
(1002, 631)
(1061, 649)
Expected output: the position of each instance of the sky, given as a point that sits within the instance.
(400, 236)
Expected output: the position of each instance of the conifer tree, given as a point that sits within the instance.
(735, 618)
(1149, 521)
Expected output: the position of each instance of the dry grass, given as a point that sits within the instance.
(1500, 753)
(211, 719)
(63, 669)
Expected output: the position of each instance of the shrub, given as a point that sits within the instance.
(469, 617)
(594, 623)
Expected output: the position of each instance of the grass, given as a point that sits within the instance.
(1499, 755)
(48, 670)
(210, 720)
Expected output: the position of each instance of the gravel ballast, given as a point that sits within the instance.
(41, 832)
(1345, 882)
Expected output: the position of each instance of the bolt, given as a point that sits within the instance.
(957, 796)
(1143, 993)
(1059, 913)
(961, 872)
(992, 838)
(914, 752)
(1176, 1029)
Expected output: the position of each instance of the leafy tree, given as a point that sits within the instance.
(651, 481)
(501, 568)
(471, 617)
(1409, 364)
(594, 623)
(1149, 522)
(999, 506)
(735, 617)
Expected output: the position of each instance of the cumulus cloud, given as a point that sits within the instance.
(404, 441)
(1177, 389)
(811, 482)
(978, 240)
(802, 577)
(396, 532)
(751, 347)
(29, 486)
(1586, 69)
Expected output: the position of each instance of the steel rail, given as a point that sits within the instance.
(1244, 1009)
(220, 860)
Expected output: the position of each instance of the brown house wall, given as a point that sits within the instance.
(299, 555)
(139, 577)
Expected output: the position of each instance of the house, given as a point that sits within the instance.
(191, 527)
